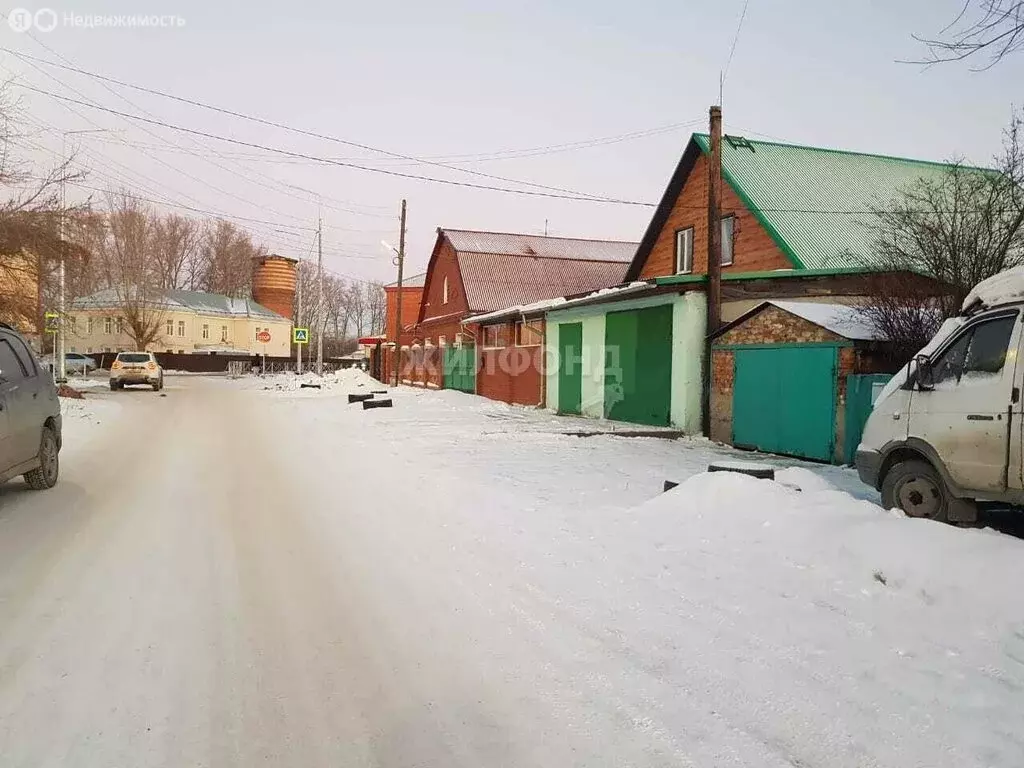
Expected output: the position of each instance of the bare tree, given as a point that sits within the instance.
(376, 306)
(175, 244)
(957, 230)
(983, 27)
(226, 259)
(30, 236)
(355, 301)
(136, 278)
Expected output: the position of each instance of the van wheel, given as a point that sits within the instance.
(916, 488)
(49, 463)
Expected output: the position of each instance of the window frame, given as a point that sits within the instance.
(501, 339)
(170, 327)
(21, 348)
(223, 333)
(444, 290)
(967, 332)
(535, 325)
(108, 326)
(4, 340)
(181, 329)
(677, 254)
(731, 218)
(206, 331)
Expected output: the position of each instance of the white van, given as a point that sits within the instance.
(946, 432)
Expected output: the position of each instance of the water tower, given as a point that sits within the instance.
(273, 283)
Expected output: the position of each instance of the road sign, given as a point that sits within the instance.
(263, 337)
(300, 335)
(52, 322)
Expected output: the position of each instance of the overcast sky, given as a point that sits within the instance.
(450, 79)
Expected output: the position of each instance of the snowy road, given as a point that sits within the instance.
(234, 577)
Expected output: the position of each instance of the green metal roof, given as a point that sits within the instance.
(816, 203)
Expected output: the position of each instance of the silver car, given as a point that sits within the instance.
(75, 362)
(30, 423)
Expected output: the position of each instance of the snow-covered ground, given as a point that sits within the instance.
(282, 578)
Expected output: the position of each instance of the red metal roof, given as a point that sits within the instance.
(495, 281)
(510, 244)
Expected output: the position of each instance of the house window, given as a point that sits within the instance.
(495, 336)
(223, 333)
(106, 349)
(181, 327)
(728, 228)
(88, 350)
(108, 325)
(170, 327)
(258, 329)
(529, 333)
(206, 331)
(88, 325)
(684, 251)
(444, 291)
(73, 325)
(73, 350)
(442, 341)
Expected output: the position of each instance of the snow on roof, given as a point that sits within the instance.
(842, 319)
(511, 244)
(196, 301)
(550, 305)
(413, 281)
(1003, 288)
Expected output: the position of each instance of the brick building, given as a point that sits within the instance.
(796, 226)
(472, 274)
(382, 349)
(780, 374)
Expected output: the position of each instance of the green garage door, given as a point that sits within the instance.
(638, 365)
(570, 367)
(460, 368)
(784, 400)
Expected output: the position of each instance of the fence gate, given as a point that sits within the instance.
(861, 391)
(460, 368)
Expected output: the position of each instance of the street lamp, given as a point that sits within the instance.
(61, 368)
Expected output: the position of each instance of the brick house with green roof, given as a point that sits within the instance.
(795, 227)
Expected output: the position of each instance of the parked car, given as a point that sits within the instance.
(946, 434)
(30, 422)
(75, 362)
(136, 368)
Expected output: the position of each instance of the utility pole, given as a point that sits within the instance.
(400, 260)
(61, 370)
(298, 319)
(320, 295)
(714, 296)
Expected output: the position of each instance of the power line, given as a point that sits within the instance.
(69, 65)
(732, 49)
(328, 161)
(303, 132)
(177, 169)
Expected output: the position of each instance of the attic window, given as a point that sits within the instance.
(444, 291)
(738, 142)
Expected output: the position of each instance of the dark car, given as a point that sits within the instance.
(30, 423)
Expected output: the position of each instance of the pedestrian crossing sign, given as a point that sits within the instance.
(300, 335)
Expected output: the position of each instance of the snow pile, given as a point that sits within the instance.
(835, 627)
(345, 379)
(999, 289)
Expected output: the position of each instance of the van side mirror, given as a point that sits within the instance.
(925, 374)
